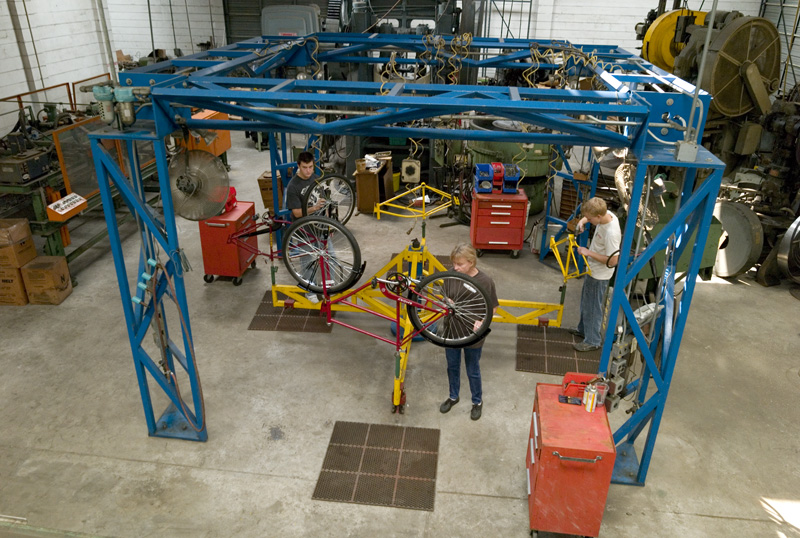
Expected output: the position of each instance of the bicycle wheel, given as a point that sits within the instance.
(456, 310)
(337, 196)
(318, 247)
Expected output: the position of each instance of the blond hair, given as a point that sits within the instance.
(465, 251)
(594, 207)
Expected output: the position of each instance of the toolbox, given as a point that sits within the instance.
(223, 258)
(569, 462)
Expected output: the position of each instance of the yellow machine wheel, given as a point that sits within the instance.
(659, 47)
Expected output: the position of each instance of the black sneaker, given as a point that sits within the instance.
(574, 331)
(475, 414)
(447, 405)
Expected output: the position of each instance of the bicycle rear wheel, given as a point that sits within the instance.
(337, 196)
(455, 311)
(319, 248)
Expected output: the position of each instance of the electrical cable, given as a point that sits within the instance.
(382, 16)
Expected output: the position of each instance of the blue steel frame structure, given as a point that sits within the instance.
(633, 97)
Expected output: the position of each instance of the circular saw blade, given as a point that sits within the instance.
(199, 184)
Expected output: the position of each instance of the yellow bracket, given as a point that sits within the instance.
(569, 267)
(407, 211)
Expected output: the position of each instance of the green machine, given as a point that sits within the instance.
(661, 207)
(532, 159)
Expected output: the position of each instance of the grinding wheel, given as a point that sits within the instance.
(789, 252)
(200, 185)
(741, 242)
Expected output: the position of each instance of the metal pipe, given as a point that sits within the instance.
(106, 41)
(152, 38)
(189, 24)
(211, 18)
(691, 132)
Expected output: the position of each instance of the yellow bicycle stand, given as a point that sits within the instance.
(416, 262)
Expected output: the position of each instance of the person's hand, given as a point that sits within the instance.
(583, 251)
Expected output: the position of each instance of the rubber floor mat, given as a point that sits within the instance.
(275, 318)
(548, 350)
(381, 465)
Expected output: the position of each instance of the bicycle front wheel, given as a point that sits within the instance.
(454, 311)
(337, 196)
(321, 253)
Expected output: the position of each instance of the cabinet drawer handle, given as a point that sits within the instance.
(501, 212)
(501, 206)
(499, 222)
(535, 430)
(217, 224)
(580, 460)
(498, 242)
(533, 453)
(528, 472)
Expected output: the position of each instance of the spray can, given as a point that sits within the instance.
(590, 398)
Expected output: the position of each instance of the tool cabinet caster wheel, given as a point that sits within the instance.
(534, 533)
(253, 265)
(479, 252)
(208, 278)
(237, 281)
(515, 254)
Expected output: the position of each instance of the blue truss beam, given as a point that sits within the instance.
(635, 95)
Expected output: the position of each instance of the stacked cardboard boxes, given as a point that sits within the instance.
(16, 249)
(24, 277)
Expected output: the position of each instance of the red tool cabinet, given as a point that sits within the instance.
(569, 464)
(221, 258)
(498, 221)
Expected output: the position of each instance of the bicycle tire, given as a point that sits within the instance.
(312, 244)
(469, 304)
(339, 198)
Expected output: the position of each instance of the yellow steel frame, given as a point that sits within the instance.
(424, 211)
(569, 267)
(416, 262)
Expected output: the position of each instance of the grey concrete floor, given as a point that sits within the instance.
(75, 457)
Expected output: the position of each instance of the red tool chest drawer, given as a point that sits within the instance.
(570, 459)
(498, 221)
(221, 258)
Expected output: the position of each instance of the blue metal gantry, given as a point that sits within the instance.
(634, 105)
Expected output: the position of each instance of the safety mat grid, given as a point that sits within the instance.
(548, 350)
(275, 318)
(380, 464)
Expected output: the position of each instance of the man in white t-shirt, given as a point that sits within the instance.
(602, 255)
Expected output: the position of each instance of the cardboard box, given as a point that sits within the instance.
(13, 231)
(12, 287)
(47, 280)
(16, 243)
(267, 194)
(18, 254)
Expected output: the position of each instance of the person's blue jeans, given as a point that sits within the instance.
(592, 296)
(472, 359)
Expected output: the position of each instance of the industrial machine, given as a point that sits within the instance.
(44, 163)
(753, 133)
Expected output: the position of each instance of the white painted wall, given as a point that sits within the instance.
(130, 26)
(63, 42)
(593, 22)
(69, 40)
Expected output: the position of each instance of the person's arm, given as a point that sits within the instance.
(609, 261)
(581, 224)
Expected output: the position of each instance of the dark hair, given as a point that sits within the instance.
(305, 157)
